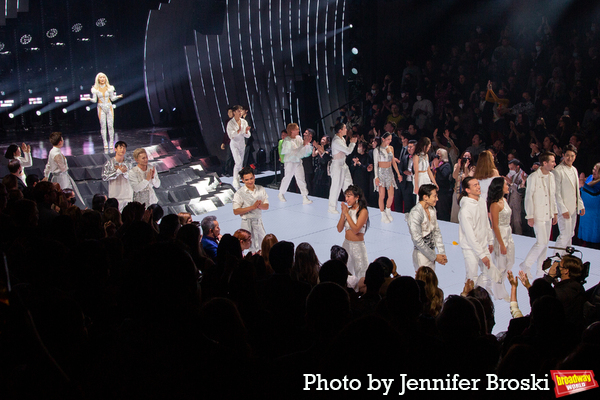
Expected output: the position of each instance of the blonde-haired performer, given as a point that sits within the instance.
(294, 149)
(237, 130)
(104, 94)
(143, 179)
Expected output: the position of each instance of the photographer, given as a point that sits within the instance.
(569, 290)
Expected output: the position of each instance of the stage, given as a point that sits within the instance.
(297, 223)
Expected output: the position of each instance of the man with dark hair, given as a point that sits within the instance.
(248, 202)
(407, 185)
(115, 172)
(211, 234)
(14, 167)
(307, 163)
(476, 237)
(98, 202)
(568, 199)
(541, 211)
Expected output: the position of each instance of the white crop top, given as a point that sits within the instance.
(353, 215)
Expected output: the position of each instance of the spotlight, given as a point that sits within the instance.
(52, 33)
(174, 108)
(101, 22)
(76, 28)
(56, 89)
(354, 71)
(351, 26)
(11, 115)
(25, 39)
(354, 51)
(38, 113)
(161, 110)
(88, 108)
(64, 110)
(30, 91)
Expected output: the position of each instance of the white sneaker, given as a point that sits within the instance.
(388, 213)
(332, 210)
(306, 200)
(384, 218)
(281, 198)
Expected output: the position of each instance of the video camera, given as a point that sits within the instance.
(570, 250)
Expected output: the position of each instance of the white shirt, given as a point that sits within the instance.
(118, 183)
(474, 233)
(245, 197)
(338, 145)
(237, 139)
(143, 190)
(294, 149)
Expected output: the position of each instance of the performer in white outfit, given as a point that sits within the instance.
(103, 93)
(340, 173)
(425, 231)
(237, 130)
(423, 174)
(540, 212)
(143, 179)
(116, 173)
(568, 198)
(22, 154)
(249, 201)
(355, 221)
(57, 166)
(383, 161)
(293, 150)
(476, 237)
(503, 255)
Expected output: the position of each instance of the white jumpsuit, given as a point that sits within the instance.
(237, 145)
(106, 114)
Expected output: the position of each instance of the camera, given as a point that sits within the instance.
(585, 266)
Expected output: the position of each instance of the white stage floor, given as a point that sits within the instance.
(292, 221)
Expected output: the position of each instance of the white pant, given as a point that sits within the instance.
(567, 231)
(293, 169)
(256, 228)
(107, 120)
(238, 158)
(537, 254)
(419, 260)
(488, 277)
(340, 180)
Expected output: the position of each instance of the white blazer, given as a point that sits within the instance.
(568, 198)
(539, 203)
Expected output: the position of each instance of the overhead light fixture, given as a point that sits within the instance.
(354, 71)
(52, 33)
(76, 28)
(354, 51)
(101, 22)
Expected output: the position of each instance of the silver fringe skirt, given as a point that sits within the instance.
(386, 178)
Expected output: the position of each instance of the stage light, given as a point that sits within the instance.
(101, 22)
(61, 99)
(354, 71)
(56, 89)
(84, 97)
(114, 106)
(2, 92)
(161, 110)
(77, 27)
(80, 87)
(354, 51)
(64, 110)
(35, 100)
(88, 108)
(30, 91)
(1, 46)
(52, 33)
(25, 39)
(11, 115)
(174, 108)
(351, 26)
(38, 113)
(6, 103)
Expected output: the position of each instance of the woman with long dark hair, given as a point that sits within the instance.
(355, 221)
(503, 255)
(340, 173)
(306, 265)
(423, 174)
(383, 161)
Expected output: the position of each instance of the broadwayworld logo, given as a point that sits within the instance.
(569, 382)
